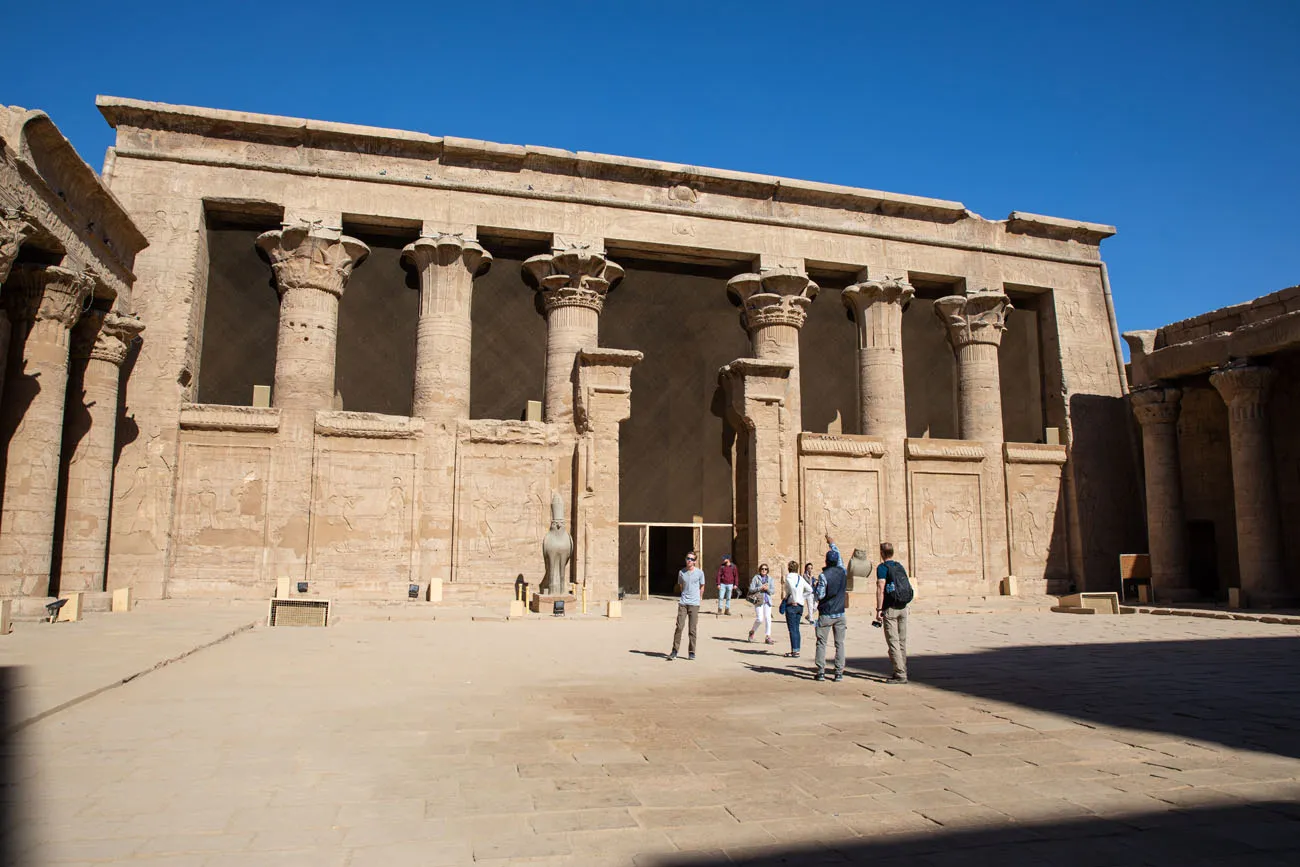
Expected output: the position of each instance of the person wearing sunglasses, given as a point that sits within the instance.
(690, 581)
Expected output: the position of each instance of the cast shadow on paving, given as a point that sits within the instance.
(1243, 693)
(1266, 834)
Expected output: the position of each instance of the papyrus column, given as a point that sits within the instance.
(15, 228)
(1245, 389)
(572, 283)
(774, 306)
(974, 323)
(447, 266)
(43, 301)
(100, 343)
(312, 266)
(1156, 409)
(877, 307)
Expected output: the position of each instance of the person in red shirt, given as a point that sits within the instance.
(728, 579)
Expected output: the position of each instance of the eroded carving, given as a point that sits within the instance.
(203, 416)
(371, 425)
(832, 444)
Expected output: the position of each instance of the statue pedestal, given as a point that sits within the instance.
(545, 604)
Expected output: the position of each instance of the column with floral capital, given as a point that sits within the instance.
(974, 323)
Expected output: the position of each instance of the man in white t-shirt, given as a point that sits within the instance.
(690, 580)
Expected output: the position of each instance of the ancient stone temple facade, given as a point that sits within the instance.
(66, 329)
(374, 356)
(1218, 401)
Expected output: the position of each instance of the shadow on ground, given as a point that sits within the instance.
(1262, 835)
(1240, 692)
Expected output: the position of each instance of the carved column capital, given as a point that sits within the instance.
(1244, 387)
(309, 257)
(976, 317)
(1156, 405)
(889, 290)
(15, 229)
(776, 297)
(47, 293)
(444, 250)
(105, 336)
(576, 276)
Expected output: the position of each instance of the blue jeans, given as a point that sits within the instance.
(793, 614)
(724, 596)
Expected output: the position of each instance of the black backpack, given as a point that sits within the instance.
(898, 590)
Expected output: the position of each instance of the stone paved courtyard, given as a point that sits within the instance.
(1023, 739)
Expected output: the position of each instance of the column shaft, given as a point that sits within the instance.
(44, 302)
(573, 283)
(1245, 389)
(877, 307)
(103, 342)
(311, 267)
(980, 382)
(14, 230)
(447, 266)
(569, 330)
(1157, 412)
(974, 323)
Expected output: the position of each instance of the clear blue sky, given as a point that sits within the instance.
(1177, 122)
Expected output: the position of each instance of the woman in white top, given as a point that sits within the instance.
(797, 589)
(810, 603)
(760, 593)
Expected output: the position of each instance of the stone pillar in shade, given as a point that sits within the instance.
(774, 306)
(974, 323)
(573, 283)
(100, 343)
(15, 228)
(447, 266)
(312, 266)
(1156, 408)
(1245, 389)
(44, 302)
(877, 307)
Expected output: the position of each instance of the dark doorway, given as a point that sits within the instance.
(668, 547)
(1203, 558)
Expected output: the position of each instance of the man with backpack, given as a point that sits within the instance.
(893, 593)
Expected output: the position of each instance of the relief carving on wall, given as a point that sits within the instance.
(1037, 544)
(221, 512)
(844, 504)
(948, 527)
(361, 515)
(502, 517)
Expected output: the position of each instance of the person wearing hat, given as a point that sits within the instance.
(728, 578)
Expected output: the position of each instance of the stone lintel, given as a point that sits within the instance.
(1279, 334)
(926, 449)
(369, 425)
(847, 445)
(493, 431)
(1187, 359)
(211, 416)
(1034, 453)
(743, 368)
(605, 356)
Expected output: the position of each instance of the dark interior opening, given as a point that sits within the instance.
(378, 314)
(241, 313)
(1020, 367)
(1203, 559)
(828, 360)
(929, 367)
(668, 547)
(675, 450)
(508, 349)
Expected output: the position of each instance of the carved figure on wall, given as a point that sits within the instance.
(557, 549)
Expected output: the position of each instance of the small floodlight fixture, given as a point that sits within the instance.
(413, 591)
(558, 610)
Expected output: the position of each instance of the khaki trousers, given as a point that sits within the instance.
(896, 639)
(684, 613)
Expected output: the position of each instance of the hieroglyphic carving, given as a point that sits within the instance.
(502, 511)
(844, 504)
(508, 432)
(361, 521)
(944, 450)
(948, 526)
(220, 516)
(370, 425)
(831, 444)
(1037, 537)
(200, 416)
(1035, 453)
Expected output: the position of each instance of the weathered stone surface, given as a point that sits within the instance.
(1156, 409)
